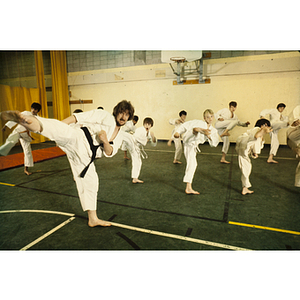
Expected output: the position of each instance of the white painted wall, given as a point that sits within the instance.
(255, 82)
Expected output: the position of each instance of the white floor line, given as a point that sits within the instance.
(37, 211)
(184, 238)
(47, 234)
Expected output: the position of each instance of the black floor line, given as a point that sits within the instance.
(228, 192)
(128, 206)
(188, 232)
(129, 241)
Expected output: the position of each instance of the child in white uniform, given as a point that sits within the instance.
(250, 142)
(293, 139)
(226, 121)
(178, 147)
(130, 128)
(278, 121)
(20, 133)
(142, 136)
(196, 132)
(102, 130)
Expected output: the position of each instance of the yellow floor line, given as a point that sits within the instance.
(3, 183)
(263, 227)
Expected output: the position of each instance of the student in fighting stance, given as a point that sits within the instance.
(278, 121)
(99, 136)
(142, 136)
(196, 132)
(250, 143)
(178, 147)
(130, 128)
(20, 133)
(226, 120)
(293, 139)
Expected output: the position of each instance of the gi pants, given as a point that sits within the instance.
(19, 134)
(245, 167)
(74, 143)
(221, 126)
(190, 151)
(277, 125)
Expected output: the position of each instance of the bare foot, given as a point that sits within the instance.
(169, 143)
(272, 161)
(136, 180)
(98, 222)
(27, 173)
(177, 161)
(126, 157)
(191, 192)
(246, 191)
(225, 134)
(223, 161)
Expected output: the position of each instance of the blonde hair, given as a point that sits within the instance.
(208, 111)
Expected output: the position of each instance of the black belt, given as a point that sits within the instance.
(93, 149)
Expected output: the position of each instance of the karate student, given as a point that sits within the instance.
(100, 136)
(278, 121)
(196, 132)
(250, 142)
(178, 147)
(142, 136)
(20, 133)
(130, 128)
(293, 139)
(226, 120)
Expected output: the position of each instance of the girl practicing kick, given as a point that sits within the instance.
(250, 142)
(278, 121)
(99, 136)
(20, 133)
(226, 121)
(178, 147)
(142, 135)
(196, 132)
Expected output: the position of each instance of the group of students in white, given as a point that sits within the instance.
(85, 136)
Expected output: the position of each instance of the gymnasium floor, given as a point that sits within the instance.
(43, 212)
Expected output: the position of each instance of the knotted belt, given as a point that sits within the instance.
(93, 149)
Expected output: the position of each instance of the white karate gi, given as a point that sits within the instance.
(177, 141)
(191, 141)
(245, 144)
(141, 137)
(228, 123)
(278, 121)
(293, 139)
(130, 128)
(72, 140)
(21, 134)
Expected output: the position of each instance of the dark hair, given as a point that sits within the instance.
(100, 107)
(124, 106)
(36, 106)
(233, 103)
(183, 112)
(78, 110)
(148, 121)
(135, 118)
(261, 122)
(281, 105)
